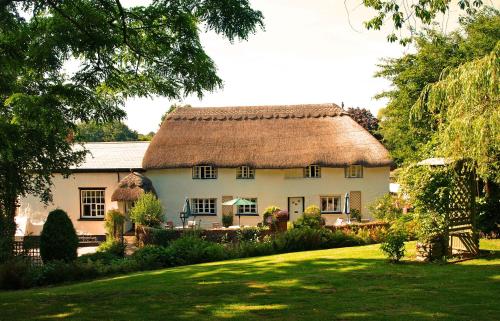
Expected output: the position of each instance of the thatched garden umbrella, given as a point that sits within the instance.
(238, 202)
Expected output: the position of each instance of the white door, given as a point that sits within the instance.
(295, 207)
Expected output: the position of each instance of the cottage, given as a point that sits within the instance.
(288, 156)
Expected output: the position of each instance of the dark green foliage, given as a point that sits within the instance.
(248, 234)
(153, 257)
(410, 140)
(133, 51)
(355, 215)
(488, 214)
(115, 131)
(163, 237)
(114, 247)
(307, 238)
(192, 249)
(394, 245)
(58, 240)
(310, 218)
(15, 274)
(227, 220)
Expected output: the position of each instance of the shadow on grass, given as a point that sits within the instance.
(275, 288)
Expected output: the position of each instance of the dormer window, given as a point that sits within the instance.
(204, 172)
(354, 171)
(245, 172)
(312, 171)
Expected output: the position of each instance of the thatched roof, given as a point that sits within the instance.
(263, 137)
(131, 187)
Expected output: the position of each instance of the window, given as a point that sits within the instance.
(245, 172)
(354, 171)
(312, 171)
(92, 203)
(204, 172)
(203, 206)
(331, 204)
(248, 209)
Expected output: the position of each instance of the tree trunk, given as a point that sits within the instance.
(7, 227)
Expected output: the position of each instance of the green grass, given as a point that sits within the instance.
(339, 284)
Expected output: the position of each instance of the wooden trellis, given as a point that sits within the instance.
(462, 234)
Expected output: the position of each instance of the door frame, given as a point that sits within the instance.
(303, 204)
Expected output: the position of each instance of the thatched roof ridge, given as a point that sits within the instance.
(131, 187)
(289, 136)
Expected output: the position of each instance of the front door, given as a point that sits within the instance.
(295, 207)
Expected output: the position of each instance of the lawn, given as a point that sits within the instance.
(338, 284)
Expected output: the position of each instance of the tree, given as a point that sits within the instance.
(409, 140)
(409, 16)
(122, 52)
(147, 137)
(58, 240)
(366, 119)
(105, 132)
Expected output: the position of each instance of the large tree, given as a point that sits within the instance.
(115, 131)
(120, 52)
(365, 118)
(435, 52)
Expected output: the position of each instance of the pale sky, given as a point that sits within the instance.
(308, 53)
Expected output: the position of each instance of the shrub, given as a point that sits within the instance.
(311, 218)
(58, 240)
(114, 224)
(227, 220)
(394, 245)
(268, 217)
(387, 208)
(248, 234)
(113, 247)
(355, 215)
(163, 237)
(250, 249)
(191, 249)
(302, 239)
(15, 274)
(152, 257)
(147, 211)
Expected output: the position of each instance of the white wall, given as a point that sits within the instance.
(66, 196)
(270, 187)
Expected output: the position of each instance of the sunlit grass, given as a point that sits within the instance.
(339, 284)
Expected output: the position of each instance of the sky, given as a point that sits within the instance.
(310, 52)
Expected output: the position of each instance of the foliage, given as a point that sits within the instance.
(394, 245)
(430, 192)
(133, 51)
(356, 214)
(248, 234)
(227, 220)
(15, 274)
(146, 137)
(465, 106)
(307, 238)
(269, 215)
(152, 257)
(112, 246)
(115, 131)
(147, 211)
(488, 214)
(113, 223)
(387, 207)
(58, 240)
(365, 118)
(163, 237)
(191, 249)
(435, 52)
(310, 218)
(403, 15)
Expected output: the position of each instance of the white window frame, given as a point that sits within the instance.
(354, 171)
(312, 171)
(245, 172)
(248, 209)
(204, 206)
(330, 199)
(95, 199)
(204, 172)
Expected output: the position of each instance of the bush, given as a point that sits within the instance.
(251, 249)
(58, 240)
(15, 274)
(191, 249)
(152, 257)
(355, 215)
(114, 247)
(227, 220)
(387, 208)
(163, 237)
(311, 218)
(394, 245)
(268, 217)
(114, 224)
(147, 211)
(248, 234)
